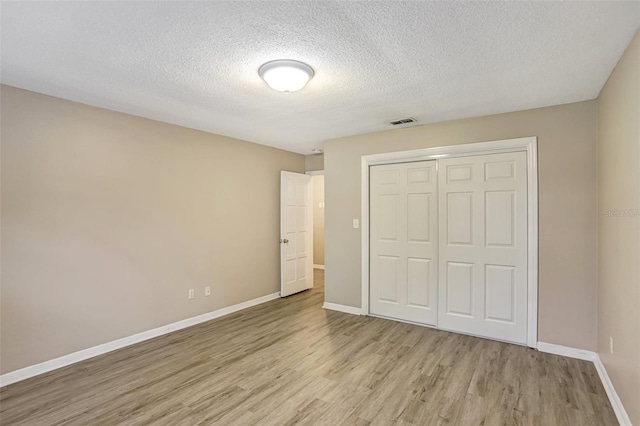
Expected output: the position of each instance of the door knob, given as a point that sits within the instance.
(284, 241)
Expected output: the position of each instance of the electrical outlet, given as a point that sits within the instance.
(611, 344)
(207, 291)
(192, 293)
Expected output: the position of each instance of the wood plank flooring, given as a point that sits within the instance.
(291, 362)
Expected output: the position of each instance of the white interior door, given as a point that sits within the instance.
(483, 246)
(404, 241)
(296, 233)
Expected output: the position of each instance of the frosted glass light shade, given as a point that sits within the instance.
(286, 75)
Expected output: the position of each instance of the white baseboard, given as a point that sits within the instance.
(342, 308)
(550, 348)
(614, 399)
(616, 404)
(318, 266)
(72, 358)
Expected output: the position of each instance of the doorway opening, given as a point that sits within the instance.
(317, 185)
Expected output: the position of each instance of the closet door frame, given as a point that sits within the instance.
(528, 145)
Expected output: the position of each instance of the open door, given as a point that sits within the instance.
(296, 233)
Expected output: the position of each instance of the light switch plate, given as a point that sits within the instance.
(356, 224)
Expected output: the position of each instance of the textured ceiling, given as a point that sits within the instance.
(196, 63)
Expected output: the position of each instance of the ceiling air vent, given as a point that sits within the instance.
(403, 121)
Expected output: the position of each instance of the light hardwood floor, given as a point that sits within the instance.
(289, 361)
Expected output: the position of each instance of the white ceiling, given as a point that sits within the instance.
(196, 63)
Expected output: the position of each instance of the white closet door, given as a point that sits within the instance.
(404, 241)
(483, 246)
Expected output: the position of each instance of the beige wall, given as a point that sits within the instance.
(108, 219)
(318, 219)
(567, 208)
(314, 162)
(619, 237)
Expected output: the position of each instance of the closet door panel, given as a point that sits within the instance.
(483, 246)
(404, 241)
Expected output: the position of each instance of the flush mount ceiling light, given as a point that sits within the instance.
(286, 75)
